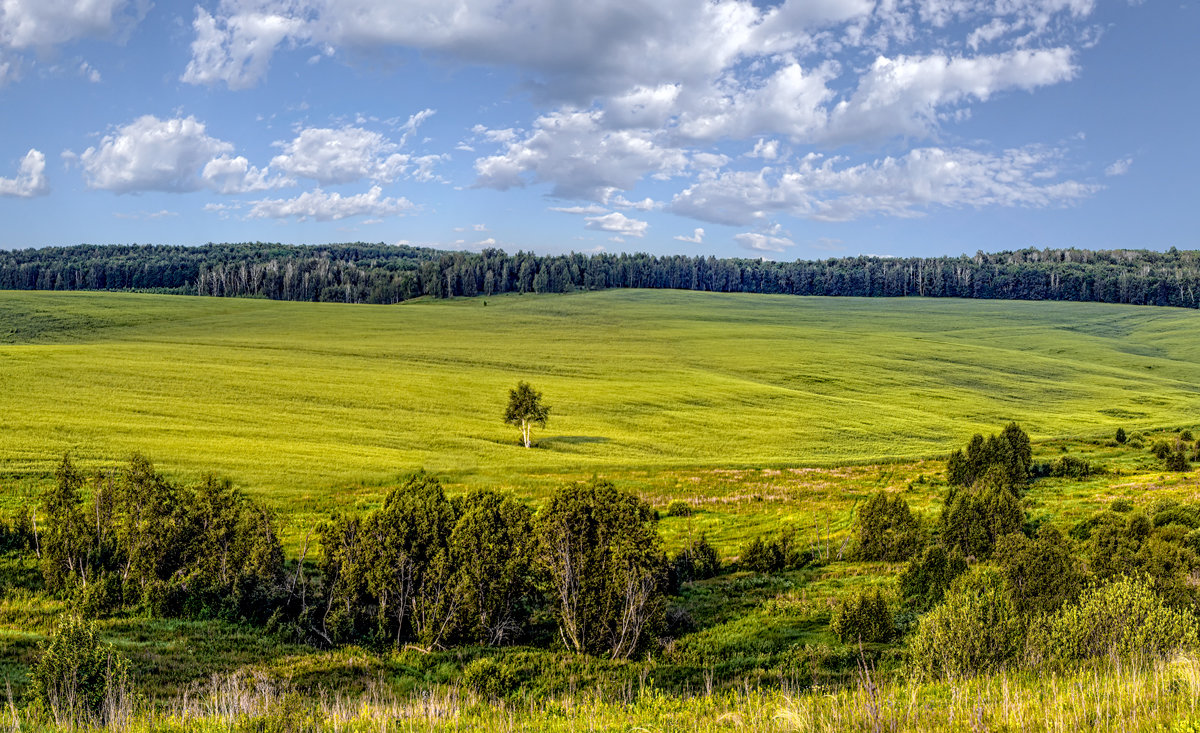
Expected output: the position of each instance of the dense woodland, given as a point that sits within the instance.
(378, 273)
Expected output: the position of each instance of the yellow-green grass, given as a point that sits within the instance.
(305, 402)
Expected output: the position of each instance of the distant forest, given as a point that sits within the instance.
(379, 273)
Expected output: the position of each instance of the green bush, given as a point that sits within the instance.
(887, 529)
(1161, 449)
(782, 552)
(489, 678)
(77, 679)
(1122, 619)
(1177, 460)
(975, 517)
(697, 561)
(926, 579)
(1040, 574)
(679, 508)
(1121, 437)
(976, 629)
(865, 617)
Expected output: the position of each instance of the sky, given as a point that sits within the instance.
(801, 129)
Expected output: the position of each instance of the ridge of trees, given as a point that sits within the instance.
(379, 273)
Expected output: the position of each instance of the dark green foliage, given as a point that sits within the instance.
(143, 542)
(378, 273)
(679, 508)
(490, 679)
(864, 617)
(1161, 449)
(1040, 574)
(926, 579)
(782, 552)
(526, 409)
(77, 679)
(1121, 437)
(1006, 458)
(605, 566)
(887, 529)
(975, 517)
(1121, 505)
(491, 553)
(1074, 467)
(697, 561)
(1185, 435)
(1177, 460)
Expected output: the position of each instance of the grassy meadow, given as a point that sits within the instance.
(759, 412)
(293, 400)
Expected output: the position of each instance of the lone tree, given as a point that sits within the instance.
(525, 408)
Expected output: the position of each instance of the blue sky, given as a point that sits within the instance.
(794, 129)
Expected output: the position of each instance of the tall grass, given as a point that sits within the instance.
(1111, 695)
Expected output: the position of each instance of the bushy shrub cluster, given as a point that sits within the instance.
(698, 561)
(1008, 457)
(77, 680)
(775, 554)
(864, 617)
(886, 529)
(143, 542)
(427, 570)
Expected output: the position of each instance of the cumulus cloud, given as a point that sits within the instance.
(348, 154)
(696, 238)
(44, 23)
(176, 155)
(30, 180)
(322, 206)
(584, 160)
(618, 223)
(905, 186)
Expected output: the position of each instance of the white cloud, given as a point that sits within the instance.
(176, 155)
(617, 222)
(1119, 168)
(30, 180)
(903, 186)
(765, 149)
(89, 72)
(906, 95)
(44, 23)
(763, 242)
(696, 238)
(146, 215)
(150, 154)
(236, 175)
(583, 159)
(236, 48)
(348, 154)
(322, 206)
(589, 209)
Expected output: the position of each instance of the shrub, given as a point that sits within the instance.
(1040, 574)
(1121, 436)
(1177, 460)
(1121, 505)
(975, 629)
(1161, 449)
(1185, 435)
(1009, 455)
(489, 678)
(925, 580)
(1122, 619)
(604, 562)
(1075, 468)
(888, 530)
(864, 617)
(77, 679)
(974, 518)
(679, 508)
(782, 552)
(697, 561)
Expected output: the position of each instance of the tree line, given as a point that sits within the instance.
(378, 273)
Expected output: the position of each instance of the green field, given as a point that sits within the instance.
(759, 412)
(293, 399)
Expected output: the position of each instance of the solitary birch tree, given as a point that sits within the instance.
(525, 408)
